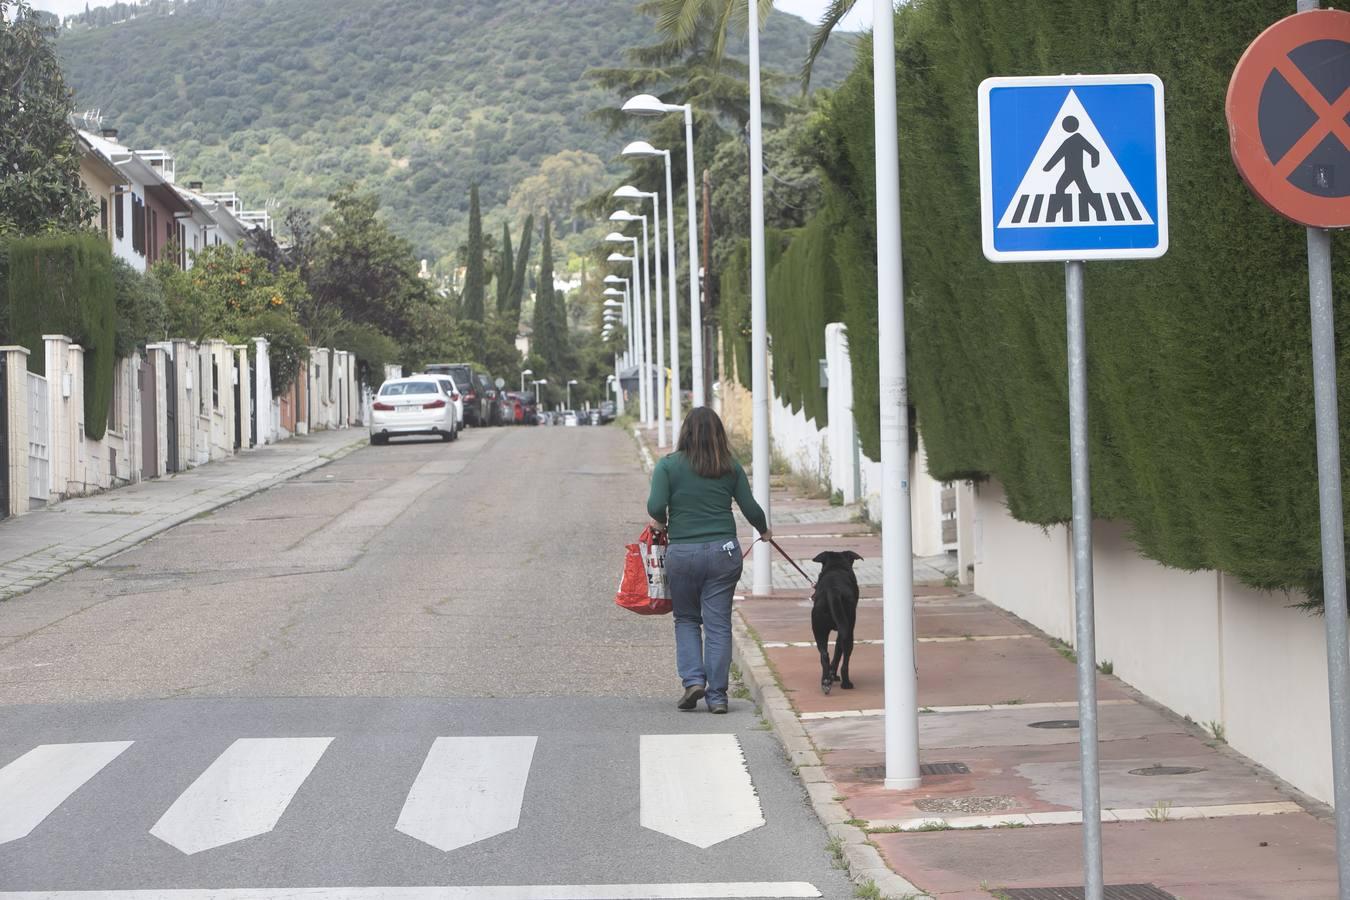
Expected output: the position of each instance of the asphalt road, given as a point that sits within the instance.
(398, 673)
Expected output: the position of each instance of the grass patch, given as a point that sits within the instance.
(868, 890)
(1106, 667)
(1216, 731)
(835, 846)
(1063, 650)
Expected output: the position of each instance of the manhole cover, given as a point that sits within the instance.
(965, 805)
(1167, 770)
(1111, 892)
(1056, 723)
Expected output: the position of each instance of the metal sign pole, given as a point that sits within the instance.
(1086, 644)
(1333, 535)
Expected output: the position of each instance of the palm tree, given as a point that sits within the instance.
(681, 21)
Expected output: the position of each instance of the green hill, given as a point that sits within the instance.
(282, 100)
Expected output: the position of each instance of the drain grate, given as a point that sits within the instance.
(1112, 892)
(943, 768)
(1167, 770)
(1055, 723)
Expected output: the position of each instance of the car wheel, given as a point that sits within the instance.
(379, 440)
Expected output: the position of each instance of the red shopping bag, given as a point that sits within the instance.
(643, 588)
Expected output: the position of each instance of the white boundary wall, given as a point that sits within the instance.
(1198, 642)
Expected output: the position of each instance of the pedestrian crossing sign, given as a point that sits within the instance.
(1072, 167)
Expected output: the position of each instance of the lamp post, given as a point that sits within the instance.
(900, 687)
(569, 393)
(522, 378)
(635, 336)
(538, 404)
(616, 292)
(616, 310)
(643, 276)
(641, 149)
(647, 105)
(623, 215)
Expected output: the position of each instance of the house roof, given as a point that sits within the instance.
(99, 159)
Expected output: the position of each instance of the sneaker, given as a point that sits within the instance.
(718, 709)
(692, 695)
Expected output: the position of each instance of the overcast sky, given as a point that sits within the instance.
(807, 9)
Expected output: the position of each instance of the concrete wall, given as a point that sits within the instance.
(1198, 642)
(14, 466)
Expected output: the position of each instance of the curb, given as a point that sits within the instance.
(861, 859)
(95, 555)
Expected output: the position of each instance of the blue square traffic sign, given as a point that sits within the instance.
(1072, 167)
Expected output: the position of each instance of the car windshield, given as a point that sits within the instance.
(401, 388)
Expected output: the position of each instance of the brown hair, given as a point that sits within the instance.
(703, 441)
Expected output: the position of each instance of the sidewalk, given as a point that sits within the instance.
(998, 813)
(45, 544)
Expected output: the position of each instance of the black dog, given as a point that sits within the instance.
(834, 607)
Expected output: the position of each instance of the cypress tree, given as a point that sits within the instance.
(471, 302)
(546, 337)
(519, 277)
(505, 271)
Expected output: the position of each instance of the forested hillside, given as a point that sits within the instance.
(283, 100)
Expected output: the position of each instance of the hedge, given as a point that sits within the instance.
(65, 284)
(1199, 365)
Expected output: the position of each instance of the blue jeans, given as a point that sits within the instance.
(702, 579)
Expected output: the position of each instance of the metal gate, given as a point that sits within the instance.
(39, 440)
(238, 421)
(149, 420)
(253, 406)
(170, 414)
(4, 437)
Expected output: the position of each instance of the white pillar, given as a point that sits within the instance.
(262, 391)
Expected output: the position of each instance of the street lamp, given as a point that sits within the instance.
(628, 192)
(569, 393)
(900, 688)
(640, 268)
(647, 105)
(536, 382)
(522, 378)
(624, 216)
(634, 310)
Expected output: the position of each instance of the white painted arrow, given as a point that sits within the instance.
(696, 788)
(469, 789)
(240, 795)
(35, 784)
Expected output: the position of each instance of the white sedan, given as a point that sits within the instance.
(417, 405)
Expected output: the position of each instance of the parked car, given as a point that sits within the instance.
(569, 418)
(491, 397)
(456, 395)
(594, 417)
(476, 411)
(416, 405)
(608, 411)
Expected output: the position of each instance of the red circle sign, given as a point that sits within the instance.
(1289, 118)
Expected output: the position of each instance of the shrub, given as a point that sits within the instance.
(65, 284)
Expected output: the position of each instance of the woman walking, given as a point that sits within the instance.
(691, 496)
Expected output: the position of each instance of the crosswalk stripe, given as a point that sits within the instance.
(35, 784)
(731, 890)
(469, 789)
(1065, 210)
(696, 788)
(240, 795)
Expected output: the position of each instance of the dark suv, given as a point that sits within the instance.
(477, 410)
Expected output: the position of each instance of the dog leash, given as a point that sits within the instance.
(792, 562)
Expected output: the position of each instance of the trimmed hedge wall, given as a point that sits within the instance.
(1200, 383)
(65, 284)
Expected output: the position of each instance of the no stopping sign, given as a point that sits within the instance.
(1288, 114)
